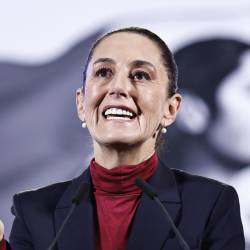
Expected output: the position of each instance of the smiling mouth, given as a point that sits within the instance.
(118, 113)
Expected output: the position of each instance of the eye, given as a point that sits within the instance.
(104, 72)
(139, 76)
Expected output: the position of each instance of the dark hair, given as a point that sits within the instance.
(167, 56)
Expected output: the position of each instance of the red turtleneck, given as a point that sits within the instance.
(3, 245)
(117, 198)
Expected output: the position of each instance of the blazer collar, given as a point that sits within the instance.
(149, 229)
(79, 232)
(164, 183)
(66, 199)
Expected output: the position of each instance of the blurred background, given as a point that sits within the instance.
(43, 47)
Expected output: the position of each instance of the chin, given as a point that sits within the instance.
(118, 141)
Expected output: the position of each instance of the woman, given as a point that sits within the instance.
(129, 99)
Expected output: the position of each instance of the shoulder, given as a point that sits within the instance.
(210, 207)
(202, 189)
(193, 181)
(45, 200)
(41, 198)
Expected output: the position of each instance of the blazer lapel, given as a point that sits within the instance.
(79, 232)
(150, 229)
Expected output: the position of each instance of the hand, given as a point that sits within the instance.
(1, 230)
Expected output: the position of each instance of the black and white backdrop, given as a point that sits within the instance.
(43, 48)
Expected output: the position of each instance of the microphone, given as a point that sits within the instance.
(146, 188)
(75, 202)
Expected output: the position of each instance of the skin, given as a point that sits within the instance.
(126, 70)
(1, 230)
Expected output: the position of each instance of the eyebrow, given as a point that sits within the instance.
(104, 60)
(140, 63)
(136, 63)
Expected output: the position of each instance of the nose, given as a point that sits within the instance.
(118, 92)
(120, 86)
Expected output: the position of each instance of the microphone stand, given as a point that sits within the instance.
(146, 188)
(75, 202)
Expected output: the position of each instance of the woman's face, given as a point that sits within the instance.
(125, 98)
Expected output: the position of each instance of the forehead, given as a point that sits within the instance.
(127, 46)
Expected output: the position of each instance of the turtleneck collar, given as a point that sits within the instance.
(121, 179)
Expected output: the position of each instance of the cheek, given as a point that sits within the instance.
(152, 107)
(93, 97)
(91, 94)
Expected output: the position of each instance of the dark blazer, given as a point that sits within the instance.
(205, 211)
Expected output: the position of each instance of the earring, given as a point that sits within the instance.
(164, 130)
(84, 124)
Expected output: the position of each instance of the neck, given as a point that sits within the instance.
(115, 155)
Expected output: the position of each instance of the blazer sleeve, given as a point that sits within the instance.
(224, 229)
(20, 237)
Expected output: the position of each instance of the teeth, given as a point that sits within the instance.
(118, 111)
(117, 118)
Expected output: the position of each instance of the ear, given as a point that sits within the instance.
(80, 104)
(171, 108)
